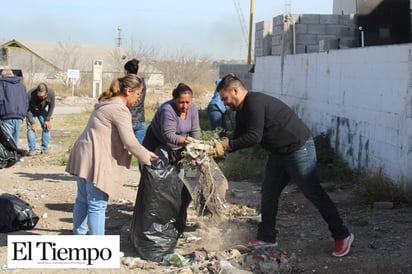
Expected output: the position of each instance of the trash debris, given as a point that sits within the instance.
(205, 180)
(175, 260)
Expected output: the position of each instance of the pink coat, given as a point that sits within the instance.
(101, 153)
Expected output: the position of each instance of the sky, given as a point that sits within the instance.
(211, 29)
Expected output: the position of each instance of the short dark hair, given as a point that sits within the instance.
(132, 66)
(181, 88)
(228, 81)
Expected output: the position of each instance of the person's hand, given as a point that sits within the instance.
(151, 156)
(33, 127)
(189, 140)
(221, 148)
(47, 125)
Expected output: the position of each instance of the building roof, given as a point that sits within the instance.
(64, 56)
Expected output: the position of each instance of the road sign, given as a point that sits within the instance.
(73, 73)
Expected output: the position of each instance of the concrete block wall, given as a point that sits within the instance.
(263, 38)
(303, 33)
(242, 71)
(362, 97)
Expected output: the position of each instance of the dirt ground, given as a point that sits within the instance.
(383, 237)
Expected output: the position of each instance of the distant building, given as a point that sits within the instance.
(354, 23)
(383, 22)
(49, 62)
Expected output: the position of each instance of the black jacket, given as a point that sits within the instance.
(268, 121)
(36, 105)
(137, 110)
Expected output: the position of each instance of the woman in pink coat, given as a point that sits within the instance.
(101, 155)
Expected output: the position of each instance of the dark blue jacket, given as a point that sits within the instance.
(14, 102)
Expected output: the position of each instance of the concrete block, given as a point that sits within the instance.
(264, 26)
(259, 25)
(307, 48)
(259, 34)
(316, 29)
(267, 51)
(309, 19)
(278, 20)
(277, 30)
(326, 37)
(312, 48)
(334, 29)
(349, 31)
(276, 40)
(276, 50)
(301, 28)
(307, 39)
(329, 19)
(326, 45)
(267, 41)
(258, 52)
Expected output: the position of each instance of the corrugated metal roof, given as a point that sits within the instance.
(63, 56)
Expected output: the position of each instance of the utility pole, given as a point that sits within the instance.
(119, 37)
(249, 51)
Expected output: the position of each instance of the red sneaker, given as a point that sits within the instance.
(342, 247)
(255, 242)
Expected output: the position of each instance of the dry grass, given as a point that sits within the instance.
(377, 188)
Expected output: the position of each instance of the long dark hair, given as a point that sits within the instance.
(119, 85)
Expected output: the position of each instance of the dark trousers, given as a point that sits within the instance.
(299, 166)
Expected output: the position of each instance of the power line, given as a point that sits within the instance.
(241, 20)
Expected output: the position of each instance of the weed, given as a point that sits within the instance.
(377, 187)
(331, 166)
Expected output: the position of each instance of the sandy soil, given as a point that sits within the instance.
(383, 237)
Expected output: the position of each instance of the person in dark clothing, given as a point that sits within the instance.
(265, 120)
(41, 106)
(137, 111)
(13, 103)
(175, 121)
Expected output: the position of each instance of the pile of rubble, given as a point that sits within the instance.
(208, 185)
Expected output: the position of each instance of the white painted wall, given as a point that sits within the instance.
(361, 96)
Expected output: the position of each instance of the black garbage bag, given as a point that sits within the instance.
(9, 153)
(153, 230)
(15, 214)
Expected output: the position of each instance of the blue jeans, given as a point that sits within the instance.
(139, 130)
(45, 136)
(13, 127)
(89, 209)
(299, 166)
(216, 117)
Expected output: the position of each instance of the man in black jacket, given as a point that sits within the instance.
(41, 106)
(265, 120)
